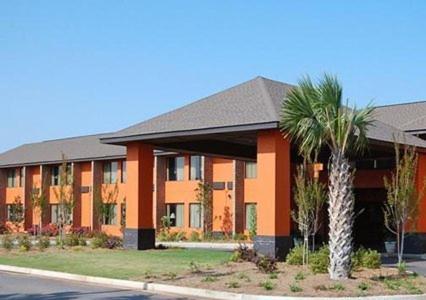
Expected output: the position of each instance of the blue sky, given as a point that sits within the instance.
(72, 68)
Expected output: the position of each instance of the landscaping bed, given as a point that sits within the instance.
(212, 270)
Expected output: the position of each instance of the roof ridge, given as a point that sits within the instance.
(270, 105)
(71, 137)
(205, 98)
(400, 104)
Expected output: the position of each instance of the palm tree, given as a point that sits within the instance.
(313, 116)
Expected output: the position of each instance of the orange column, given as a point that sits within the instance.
(273, 194)
(421, 180)
(139, 232)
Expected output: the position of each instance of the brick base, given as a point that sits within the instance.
(273, 246)
(139, 239)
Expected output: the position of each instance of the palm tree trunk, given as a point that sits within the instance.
(341, 214)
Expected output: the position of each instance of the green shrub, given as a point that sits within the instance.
(294, 288)
(243, 253)
(363, 286)
(71, 240)
(266, 264)
(99, 240)
(299, 276)
(7, 242)
(194, 267)
(239, 237)
(43, 242)
(337, 287)
(273, 275)
(195, 236)
(232, 284)
(24, 243)
(295, 256)
(267, 285)
(366, 258)
(319, 260)
(82, 241)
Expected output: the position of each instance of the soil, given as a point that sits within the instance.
(245, 278)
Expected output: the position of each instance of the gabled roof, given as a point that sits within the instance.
(405, 116)
(254, 102)
(75, 149)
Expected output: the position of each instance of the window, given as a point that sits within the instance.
(55, 175)
(11, 178)
(21, 177)
(110, 172)
(15, 212)
(55, 214)
(110, 214)
(175, 214)
(123, 171)
(251, 215)
(123, 214)
(195, 218)
(196, 170)
(175, 168)
(251, 169)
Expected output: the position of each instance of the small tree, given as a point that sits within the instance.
(204, 196)
(39, 201)
(309, 196)
(227, 222)
(252, 226)
(401, 206)
(65, 195)
(103, 198)
(17, 213)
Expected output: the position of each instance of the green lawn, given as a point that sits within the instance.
(122, 264)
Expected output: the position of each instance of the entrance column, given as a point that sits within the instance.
(273, 194)
(416, 241)
(139, 232)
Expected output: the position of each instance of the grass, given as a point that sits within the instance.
(120, 264)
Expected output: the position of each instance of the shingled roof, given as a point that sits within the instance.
(406, 116)
(75, 149)
(254, 102)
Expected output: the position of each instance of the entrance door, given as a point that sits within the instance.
(369, 229)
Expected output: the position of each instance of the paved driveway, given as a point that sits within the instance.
(415, 265)
(16, 286)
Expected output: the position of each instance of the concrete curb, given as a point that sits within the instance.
(203, 245)
(180, 290)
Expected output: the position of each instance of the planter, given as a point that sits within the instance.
(390, 247)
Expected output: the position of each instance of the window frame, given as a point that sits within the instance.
(106, 218)
(54, 176)
(109, 175)
(11, 177)
(168, 214)
(173, 169)
(248, 170)
(199, 167)
(123, 171)
(247, 206)
(200, 215)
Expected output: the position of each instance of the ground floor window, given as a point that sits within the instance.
(15, 212)
(123, 214)
(109, 214)
(175, 214)
(56, 214)
(195, 217)
(251, 216)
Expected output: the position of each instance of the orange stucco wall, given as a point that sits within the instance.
(421, 180)
(222, 199)
(86, 205)
(273, 184)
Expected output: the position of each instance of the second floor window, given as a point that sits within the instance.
(196, 170)
(110, 172)
(175, 168)
(251, 169)
(123, 171)
(55, 175)
(11, 178)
